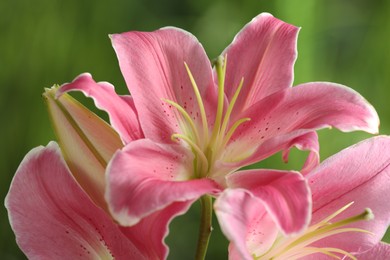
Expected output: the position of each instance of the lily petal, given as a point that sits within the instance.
(263, 53)
(145, 177)
(331, 104)
(360, 173)
(245, 222)
(285, 195)
(149, 233)
(52, 217)
(305, 108)
(87, 142)
(123, 116)
(152, 64)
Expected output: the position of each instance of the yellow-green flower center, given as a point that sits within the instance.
(208, 147)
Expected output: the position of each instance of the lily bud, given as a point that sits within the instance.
(87, 142)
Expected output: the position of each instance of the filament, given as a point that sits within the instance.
(186, 116)
(231, 105)
(200, 102)
(294, 248)
(194, 148)
(233, 129)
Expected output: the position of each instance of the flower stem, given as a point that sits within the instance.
(205, 227)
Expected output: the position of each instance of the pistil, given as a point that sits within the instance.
(220, 66)
(187, 117)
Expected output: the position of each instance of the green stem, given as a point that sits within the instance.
(205, 227)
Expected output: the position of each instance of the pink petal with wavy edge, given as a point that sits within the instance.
(360, 173)
(152, 64)
(149, 233)
(379, 251)
(245, 222)
(123, 116)
(263, 53)
(145, 177)
(285, 195)
(52, 217)
(305, 108)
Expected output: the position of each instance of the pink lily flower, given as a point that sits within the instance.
(198, 124)
(348, 190)
(53, 217)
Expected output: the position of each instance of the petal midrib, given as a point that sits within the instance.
(380, 170)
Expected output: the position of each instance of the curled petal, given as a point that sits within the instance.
(123, 116)
(245, 222)
(285, 195)
(263, 53)
(152, 64)
(52, 217)
(359, 174)
(308, 141)
(146, 177)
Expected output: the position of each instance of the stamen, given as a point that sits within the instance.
(297, 247)
(312, 250)
(233, 129)
(308, 251)
(343, 252)
(186, 116)
(231, 105)
(195, 148)
(366, 215)
(200, 103)
(311, 238)
(326, 220)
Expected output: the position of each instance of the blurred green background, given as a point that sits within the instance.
(44, 42)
